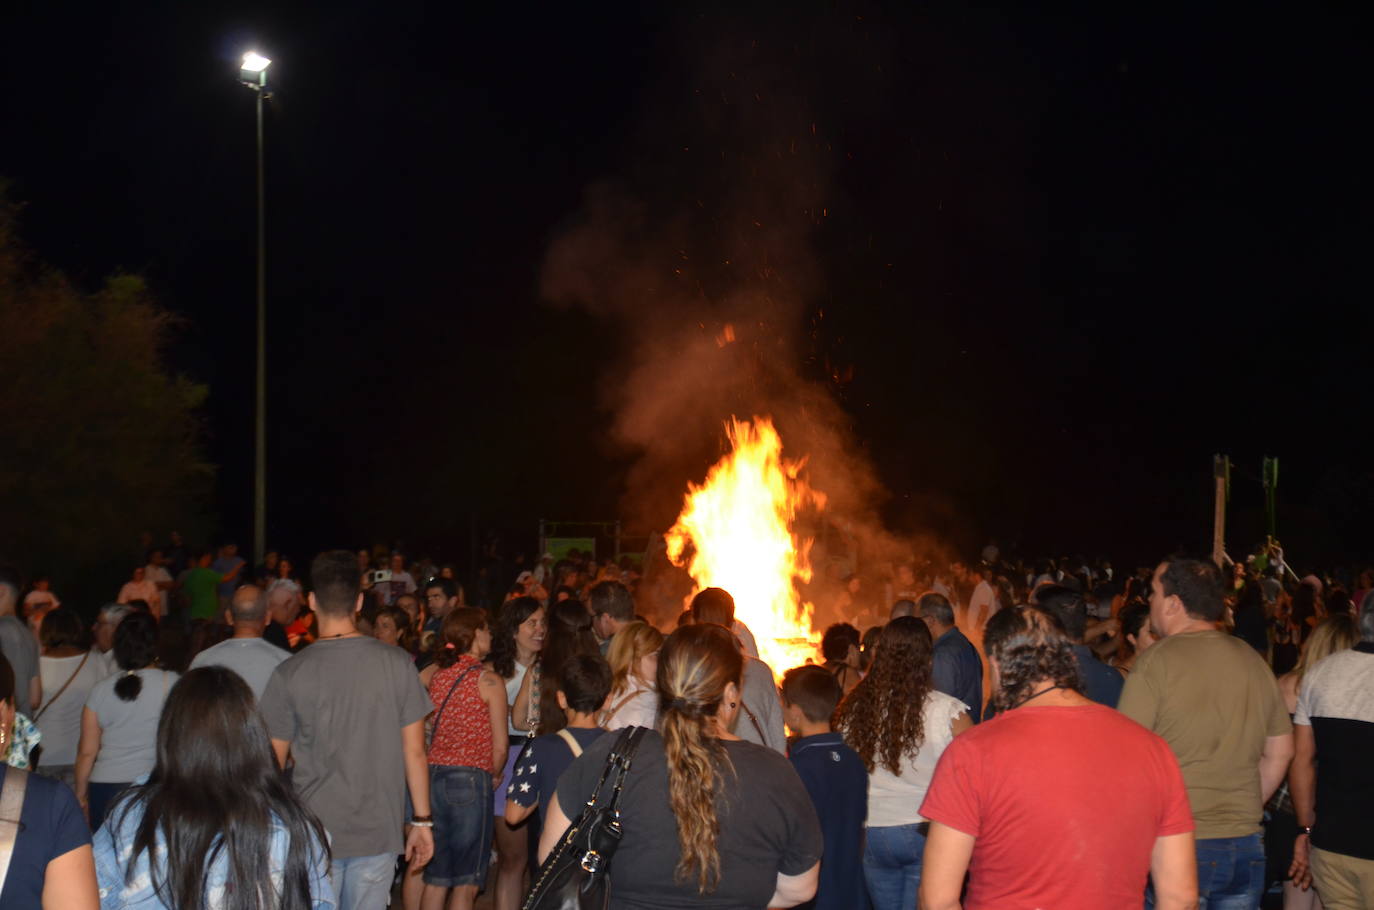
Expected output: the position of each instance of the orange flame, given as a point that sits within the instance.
(741, 525)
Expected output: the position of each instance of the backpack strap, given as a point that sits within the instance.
(568, 738)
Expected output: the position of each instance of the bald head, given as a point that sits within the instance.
(248, 607)
(902, 608)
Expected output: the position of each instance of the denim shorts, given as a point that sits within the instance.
(460, 799)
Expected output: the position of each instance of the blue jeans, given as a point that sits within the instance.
(363, 882)
(892, 866)
(460, 799)
(1230, 873)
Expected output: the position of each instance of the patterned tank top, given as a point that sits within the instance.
(462, 736)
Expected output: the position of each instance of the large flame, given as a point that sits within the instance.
(741, 527)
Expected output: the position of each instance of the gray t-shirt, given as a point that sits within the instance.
(21, 650)
(128, 729)
(341, 703)
(768, 825)
(251, 658)
(760, 695)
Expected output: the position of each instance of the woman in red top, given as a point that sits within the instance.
(466, 754)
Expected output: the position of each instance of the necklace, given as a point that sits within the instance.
(1030, 698)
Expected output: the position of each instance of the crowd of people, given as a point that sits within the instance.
(986, 734)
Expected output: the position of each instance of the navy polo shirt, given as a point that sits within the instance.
(837, 781)
(956, 670)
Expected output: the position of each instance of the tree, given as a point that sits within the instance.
(99, 441)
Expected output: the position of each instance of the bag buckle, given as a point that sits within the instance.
(591, 862)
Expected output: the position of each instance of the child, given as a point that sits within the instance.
(835, 777)
(584, 683)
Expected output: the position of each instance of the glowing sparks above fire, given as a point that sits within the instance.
(741, 528)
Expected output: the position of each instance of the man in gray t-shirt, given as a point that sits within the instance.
(351, 711)
(246, 653)
(19, 648)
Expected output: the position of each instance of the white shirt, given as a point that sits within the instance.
(637, 707)
(157, 574)
(981, 604)
(893, 799)
(144, 590)
(251, 658)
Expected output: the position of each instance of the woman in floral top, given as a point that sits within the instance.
(466, 755)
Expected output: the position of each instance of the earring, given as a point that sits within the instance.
(732, 704)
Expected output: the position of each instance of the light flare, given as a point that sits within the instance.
(737, 531)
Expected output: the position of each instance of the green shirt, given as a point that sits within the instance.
(199, 585)
(1215, 702)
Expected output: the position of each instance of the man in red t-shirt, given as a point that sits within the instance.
(1021, 804)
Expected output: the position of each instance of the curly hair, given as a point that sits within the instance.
(883, 717)
(1029, 647)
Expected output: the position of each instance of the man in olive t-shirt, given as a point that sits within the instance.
(1216, 703)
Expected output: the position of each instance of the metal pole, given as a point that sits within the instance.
(1221, 468)
(260, 464)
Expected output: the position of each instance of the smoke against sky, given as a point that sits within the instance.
(708, 267)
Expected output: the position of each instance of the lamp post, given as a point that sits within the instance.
(253, 73)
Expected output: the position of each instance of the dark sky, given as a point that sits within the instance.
(1061, 259)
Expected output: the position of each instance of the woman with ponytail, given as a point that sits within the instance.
(118, 742)
(705, 814)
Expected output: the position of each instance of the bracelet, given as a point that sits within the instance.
(417, 824)
(1305, 829)
(421, 818)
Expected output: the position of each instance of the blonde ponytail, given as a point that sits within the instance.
(694, 667)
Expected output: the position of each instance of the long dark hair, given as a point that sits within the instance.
(513, 613)
(570, 634)
(215, 795)
(135, 647)
(883, 717)
(1030, 646)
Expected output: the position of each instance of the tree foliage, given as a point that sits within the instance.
(100, 441)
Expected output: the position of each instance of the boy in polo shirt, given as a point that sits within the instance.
(835, 778)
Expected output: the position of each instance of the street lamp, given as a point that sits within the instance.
(253, 73)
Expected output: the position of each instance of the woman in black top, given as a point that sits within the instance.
(704, 813)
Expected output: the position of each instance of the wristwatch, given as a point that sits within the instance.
(1305, 829)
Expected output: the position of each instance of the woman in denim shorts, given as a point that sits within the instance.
(467, 749)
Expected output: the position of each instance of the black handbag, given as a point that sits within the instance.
(575, 876)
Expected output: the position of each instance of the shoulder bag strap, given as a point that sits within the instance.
(451, 689)
(615, 709)
(568, 738)
(763, 740)
(623, 767)
(11, 807)
(612, 761)
(70, 680)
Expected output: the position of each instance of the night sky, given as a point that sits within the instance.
(1042, 266)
